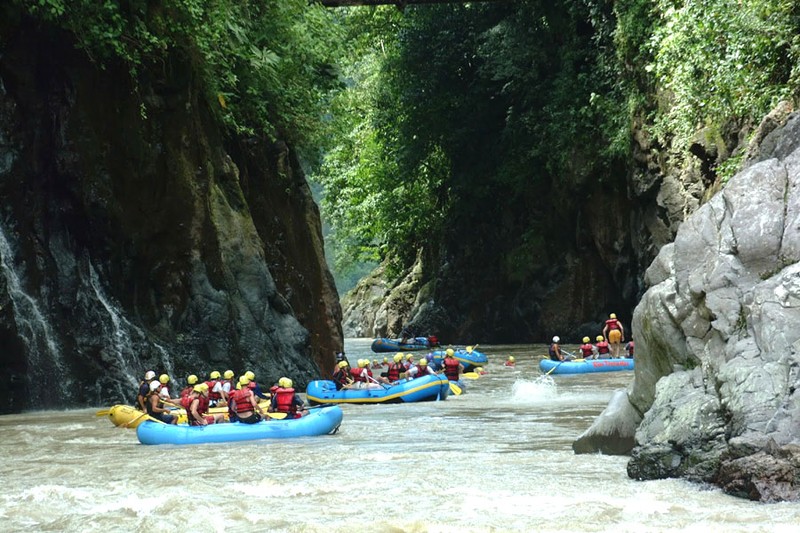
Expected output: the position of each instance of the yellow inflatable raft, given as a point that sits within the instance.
(130, 417)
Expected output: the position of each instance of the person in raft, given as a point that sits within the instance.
(341, 377)
(285, 400)
(452, 366)
(191, 381)
(602, 347)
(144, 390)
(153, 405)
(510, 361)
(587, 350)
(197, 410)
(555, 349)
(395, 369)
(615, 333)
(629, 348)
(419, 370)
(244, 405)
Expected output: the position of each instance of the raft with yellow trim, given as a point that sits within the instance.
(585, 366)
(130, 417)
(427, 388)
(321, 421)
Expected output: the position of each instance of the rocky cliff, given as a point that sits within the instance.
(135, 234)
(714, 397)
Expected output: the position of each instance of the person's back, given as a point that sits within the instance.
(285, 400)
(452, 366)
(603, 348)
(587, 350)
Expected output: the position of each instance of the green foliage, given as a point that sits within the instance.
(719, 61)
(265, 65)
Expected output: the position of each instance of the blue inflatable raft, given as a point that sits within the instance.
(468, 357)
(585, 366)
(427, 388)
(321, 421)
(384, 345)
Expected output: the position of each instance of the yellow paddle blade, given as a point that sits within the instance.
(470, 375)
(455, 389)
(103, 412)
(277, 416)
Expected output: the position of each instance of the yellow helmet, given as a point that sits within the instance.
(479, 369)
(398, 357)
(228, 374)
(191, 380)
(375, 361)
(423, 361)
(200, 388)
(244, 380)
(511, 358)
(214, 375)
(250, 375)
(409, 357)
(599, 338)
(449, 352)
(163, 378)
(469, 349)
(362, 363)
(342, 364)
(385, 359)
(286, 383)
(612, 315)
(586, 339)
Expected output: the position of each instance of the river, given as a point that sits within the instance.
(496, 458)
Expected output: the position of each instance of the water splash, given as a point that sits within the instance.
(541, 388)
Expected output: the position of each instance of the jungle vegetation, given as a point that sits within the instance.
(412, 119)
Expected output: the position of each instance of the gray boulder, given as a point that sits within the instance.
(718, 336)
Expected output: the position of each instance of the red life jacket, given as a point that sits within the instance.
(394, 371)
(451, 368)
(586, 350)
(241, 399)
(284, 400)
(359, 376)
(186, 392)
(612, 324)
(186, 401)
(602, 347)
(211, 394)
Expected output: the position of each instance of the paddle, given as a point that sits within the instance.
(103, 412)
(384, 385)
(470, 375)
(551, 370)
(455, 389)
(131, 421)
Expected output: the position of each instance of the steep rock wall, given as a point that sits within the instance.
(714, 396)
(134, 235)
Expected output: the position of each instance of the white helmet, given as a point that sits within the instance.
(556, 338)
(149, 375)
(154, 385)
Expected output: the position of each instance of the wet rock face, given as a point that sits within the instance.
(724, 313)
(132, 236)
